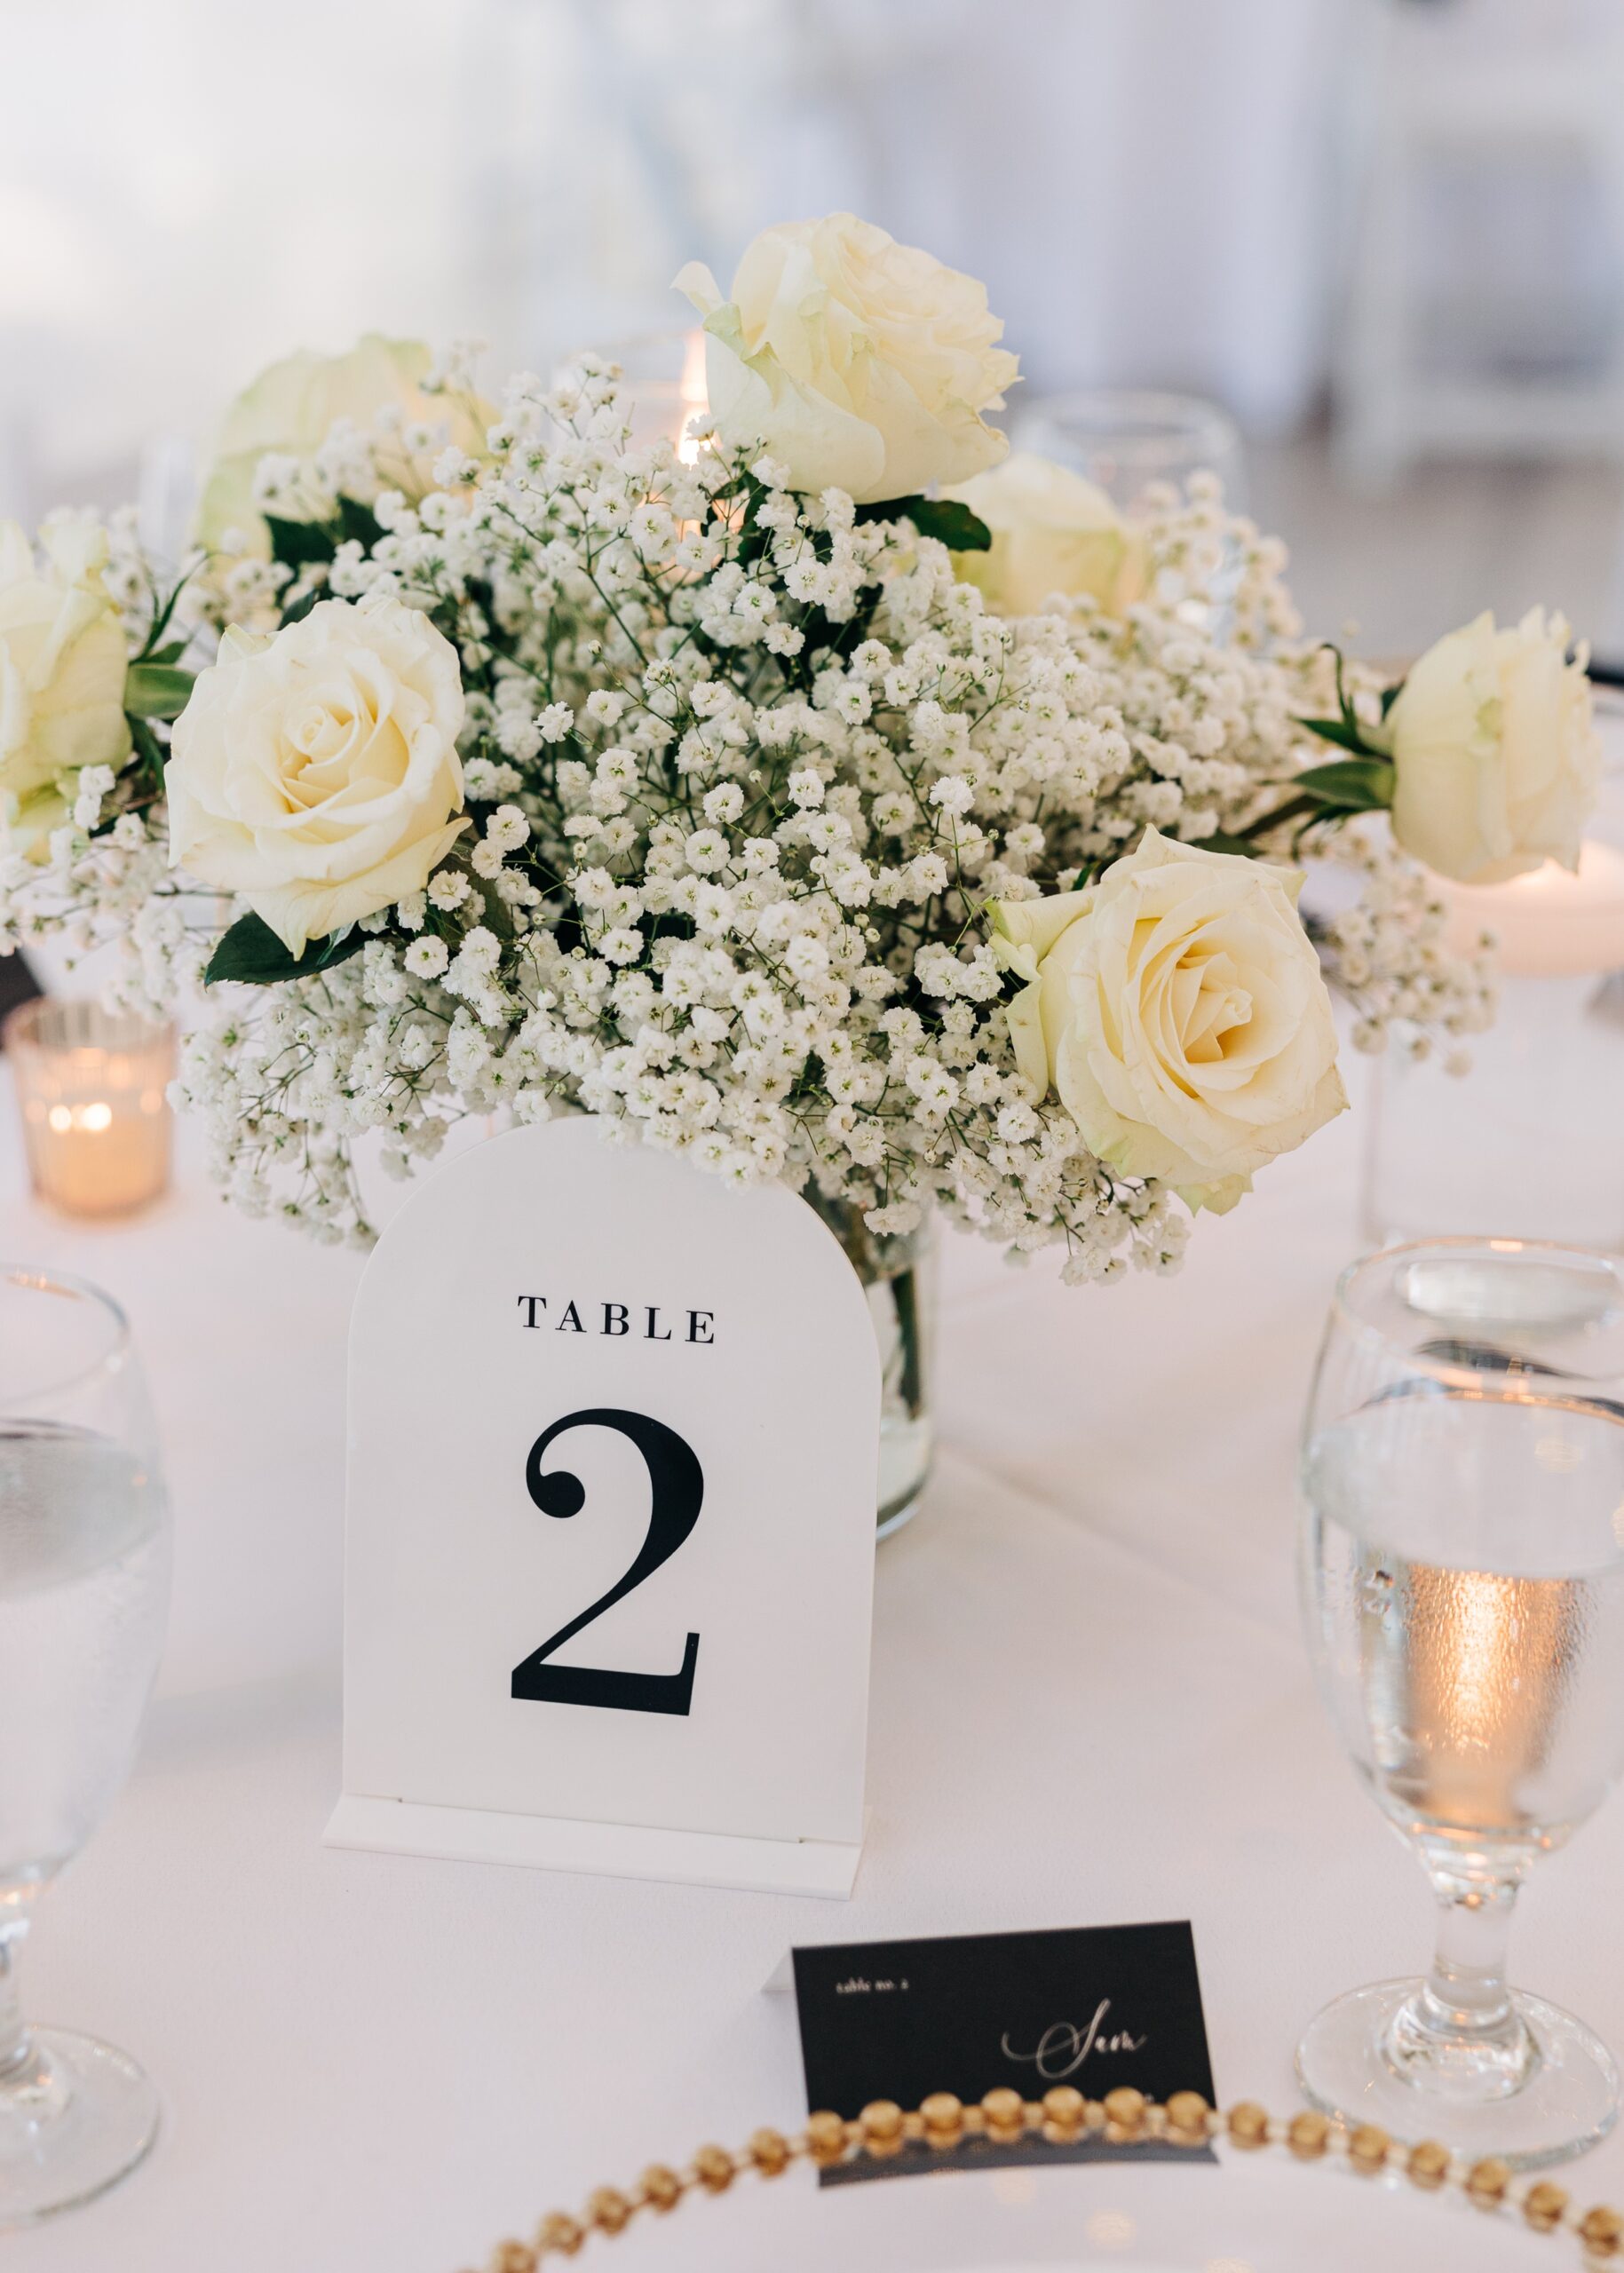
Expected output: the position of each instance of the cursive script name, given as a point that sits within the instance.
(1064, 2046)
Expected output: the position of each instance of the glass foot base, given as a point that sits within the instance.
(1568, 2099)
(891, 1519)
(81, 2116)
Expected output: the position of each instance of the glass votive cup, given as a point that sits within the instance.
(662, 386)
(1122, 438)
(91, 1088)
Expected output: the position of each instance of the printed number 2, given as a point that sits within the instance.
(678, 1485)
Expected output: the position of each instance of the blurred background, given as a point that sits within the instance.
(1386, 235)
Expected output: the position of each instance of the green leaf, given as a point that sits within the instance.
(297, 544)
(358, 524)
(1220, 841)
(149, 752)
(1390, 696)
(251, 954)
(296, 610)
(1344, 732)
(1353, 785)
(945, 518)
(150, 653)
(156, 691)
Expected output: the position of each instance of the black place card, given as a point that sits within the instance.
(18, 984)
(1090, 2005)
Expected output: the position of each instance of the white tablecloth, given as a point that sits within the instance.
(1090, 1703)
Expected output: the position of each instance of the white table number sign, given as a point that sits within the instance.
(609, 1552)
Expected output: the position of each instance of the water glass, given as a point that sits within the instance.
(84, 1558)
(1463, 1591)
(1121, 439)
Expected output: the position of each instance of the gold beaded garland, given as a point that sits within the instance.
(1486, 2181)
(826, 2136)
(1124, 2113)
(1065, 2111)
(660, 2187)
(943, 2115)
(1005, 2113)
(1368, 2148)
(1428, 2164)
(1545, 2205)
(769, 2151)
(1248, 2124)
(1188, 2116)
(1602, 2232)
(713, 2166)
(1308, 2136)
(1062, 2117)
(559, 2235)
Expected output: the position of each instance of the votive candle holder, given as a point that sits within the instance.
(92, 1087)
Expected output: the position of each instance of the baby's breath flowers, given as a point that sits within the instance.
(743, 771)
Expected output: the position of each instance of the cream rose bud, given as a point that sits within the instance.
(63, 659)
(293, 405)
(1495, 752)
(859, 363)
(1177, 1010)
(316, 773)
(1052, 532)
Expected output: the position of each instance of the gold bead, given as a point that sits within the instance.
(1602, 2232)
(1248, 2124)
(1486, 2181)
(769, 2151)
(1005, 2112)
(1188, 2119)
(512, 2257)
(1428, 2164)
(826, 2137)
(1309, 2134)
(1065, 2112)
(660, 2187)
(1125, 2111)
(1545, 2205)
(608, 2209)
(1369, 2148)
(944, 2118)
(561, 2234)
(882, 2125)
(713, 2166)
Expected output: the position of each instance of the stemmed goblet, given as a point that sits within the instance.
(84, 1556)
(1463, 1591)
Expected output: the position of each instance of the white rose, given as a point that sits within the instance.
(63, 660)
(316, 773)
(292, 407)
(1495, 752)
(1052, 532)
(860, 364)
(1177, 1009)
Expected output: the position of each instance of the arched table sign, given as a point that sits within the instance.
(609, 1551)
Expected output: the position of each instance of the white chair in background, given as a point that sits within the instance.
(1489, 106)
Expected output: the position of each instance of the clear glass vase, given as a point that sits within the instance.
(899, 1275)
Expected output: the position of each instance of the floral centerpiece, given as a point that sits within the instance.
(832, 798)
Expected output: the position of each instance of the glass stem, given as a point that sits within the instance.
(1466, 1993)
(16, 2051)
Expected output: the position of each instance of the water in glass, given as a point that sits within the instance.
(83, 1587)
(1464, 1595)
